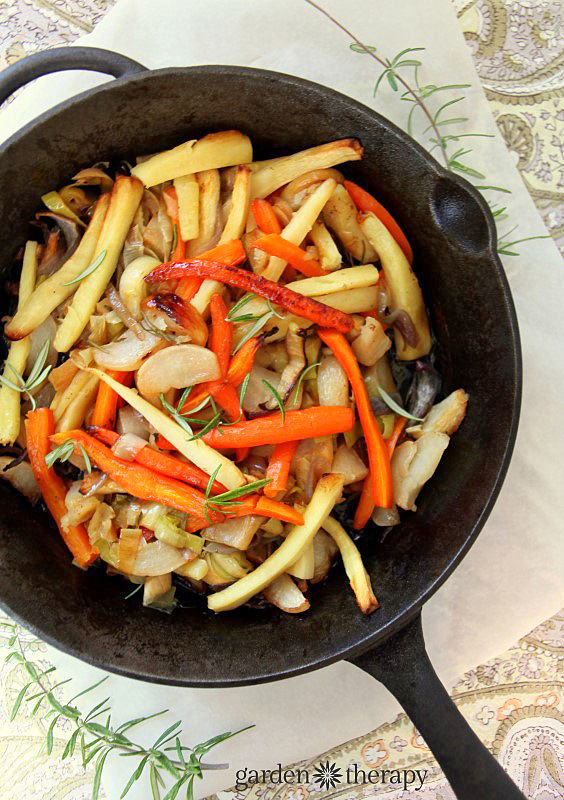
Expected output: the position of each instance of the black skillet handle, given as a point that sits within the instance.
(401, 663)
(63, 58)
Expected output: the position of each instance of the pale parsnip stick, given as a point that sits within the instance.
(125, 198)
(76, 411)
(300, 225)
(329, 255)
(403, 286)
(351, 278)
(270, 175)
(49, 294)
(17, 356)
(209, 185)
(352, 561)
(326, 494)
(340, 215)
(216, 150)
(188, 195)
(240, 199)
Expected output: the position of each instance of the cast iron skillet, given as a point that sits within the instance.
(453, 235)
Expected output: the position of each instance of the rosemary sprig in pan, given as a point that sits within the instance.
(433, 134)
(89, 269)
(35, 378)
(64, 451)
(95, 739)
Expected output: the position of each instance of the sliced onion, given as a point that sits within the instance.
(126, 316)
(324, 551)
(313, 458)
(127, 352)
(371, 343)
(37, 339)
(130, 421)
(258, 393)
(349, 464)
(21, 477)
(285, 595)
(155, 558)
(332, 383)
(237, 532)
(177, 366)
(127, 446)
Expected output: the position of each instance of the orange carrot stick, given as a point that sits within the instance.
(221, 339)
(187, 288)
(275, 245)
(377, 451)
(366, 500)
(365, 202)
(107, 400)
(279, 468)
(296, 303)
(265, 217)
(137, 480)
(166, 465)
(265, 507)
(40, 425)
(171, 203)
(273, 428)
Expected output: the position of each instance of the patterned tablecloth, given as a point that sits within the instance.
(514, 702)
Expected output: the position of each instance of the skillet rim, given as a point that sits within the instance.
(373, 638)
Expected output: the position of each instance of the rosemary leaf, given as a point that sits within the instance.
(254, 330)
(300, 380)
(89, 270)
(391, 403)
(277, 397)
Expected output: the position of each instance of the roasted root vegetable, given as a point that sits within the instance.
(403, 286)
(17, 356)
(326, 494)
(297, 304)
(445, 417)
(270, 175)
(40, 426)
(352, 561)
(225, 374)
(413, 463)
(125, 198)
(211, 152)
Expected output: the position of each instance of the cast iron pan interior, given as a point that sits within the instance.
(454, 240)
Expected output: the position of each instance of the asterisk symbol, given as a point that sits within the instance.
(328, 775)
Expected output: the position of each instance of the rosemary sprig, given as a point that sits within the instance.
(300, 380)
(176, 415)
(435, 121)
(89, 269)
(254, 329)
(391, 403)
(277, 397)
(174, 239)
(35, 378)
(229, 499)
(96, 739)
(64, 451)
(150, 327)
(240, 304)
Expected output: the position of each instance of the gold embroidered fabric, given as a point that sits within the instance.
(514, 702)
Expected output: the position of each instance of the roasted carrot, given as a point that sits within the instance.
(182, 312)
(274, 428)
(171, 203)
(275, 245)
(166, 465)
(265, 217)
(188, 287)
(40, 425)
(365, 202)
(265, 507)
(233, 276)
(392, 440)
(366, 500)
(240, 365)
(279, 468)
(221, 339)
(107, 401)
(377, 451)
(137, 480)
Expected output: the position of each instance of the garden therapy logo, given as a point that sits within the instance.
(327, 775)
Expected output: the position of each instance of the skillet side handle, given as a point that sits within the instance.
(401, 663)
(63, 58)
